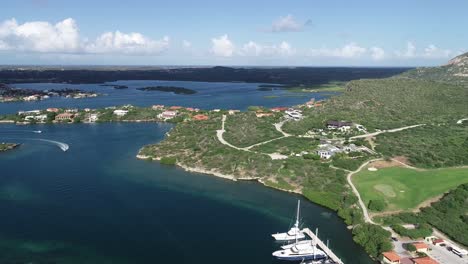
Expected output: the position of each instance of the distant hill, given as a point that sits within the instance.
(454, 72)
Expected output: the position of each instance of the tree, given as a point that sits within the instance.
(377, 205)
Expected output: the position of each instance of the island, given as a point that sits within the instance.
(10, 94)
(115, 86)
(7, 146)
(388, 155)
(170, 89)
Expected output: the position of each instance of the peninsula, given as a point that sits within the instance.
(7, 146)
(10, 94)
(170, 89)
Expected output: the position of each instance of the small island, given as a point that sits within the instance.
(173, 89)
(11, 94)
(7, 146)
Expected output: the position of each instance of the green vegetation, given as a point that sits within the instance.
(449, 215)
(421, 231)
(348, 162)
(288, 145)
(168, 160)
(7, 146)
(429, 146)
(334, 86)
(403, 188)
(373, 238)
(246, 129)
(377, 205)
(387, 104)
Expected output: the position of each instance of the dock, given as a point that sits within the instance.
(322, 246)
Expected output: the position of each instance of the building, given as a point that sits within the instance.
(424, 260)
(310, 103)
(191, 109)
(32, 112)
(168, 114)
(175, 107)
(350, 148)
(294, 114)
(64, 117)
(40, 118)
(200, 117)
(53, 110)
(93, 118)
(279, 109)
(232, 112)
(120, 112)
(31, 98)
(340, 125)
(391, 257)
(327, 151)
(262, 114)
(73, 110)
(216, 110)
(157, 107)
(421, 247)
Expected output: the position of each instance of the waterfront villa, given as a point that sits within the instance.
(390, 257)
(92, 118)
(120, 112)
(64, 117)
(327, 151)
(40, 118)
(32, 112)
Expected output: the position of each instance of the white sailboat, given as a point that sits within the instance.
(294, 233)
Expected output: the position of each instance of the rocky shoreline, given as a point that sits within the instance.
(8, 146)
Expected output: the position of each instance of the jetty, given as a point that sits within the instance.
(322, 246)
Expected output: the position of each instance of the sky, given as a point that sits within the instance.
(239, 33)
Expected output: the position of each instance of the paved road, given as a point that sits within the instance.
(386, 131)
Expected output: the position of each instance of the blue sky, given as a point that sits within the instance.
(208, 32)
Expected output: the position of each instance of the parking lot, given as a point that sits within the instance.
(444, 256)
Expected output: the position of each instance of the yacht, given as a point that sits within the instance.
(294, 233)
(297, 243)
(300, 252)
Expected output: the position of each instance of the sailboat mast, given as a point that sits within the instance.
(297, 213)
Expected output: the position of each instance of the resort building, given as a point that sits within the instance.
(64, 117)
(294, 114)
(391, 257)
(120, 112)
(93, 118)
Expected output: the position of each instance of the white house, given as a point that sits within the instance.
(294, 114)
(120, 112)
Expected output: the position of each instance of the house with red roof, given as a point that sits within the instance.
(424, 260)
(391, 257)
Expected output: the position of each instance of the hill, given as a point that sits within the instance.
(454, 72)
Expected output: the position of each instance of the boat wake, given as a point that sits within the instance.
(61, 145)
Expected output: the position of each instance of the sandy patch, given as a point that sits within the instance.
(387, 190)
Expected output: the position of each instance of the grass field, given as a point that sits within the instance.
(404, 188)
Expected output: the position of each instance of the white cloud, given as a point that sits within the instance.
(63, 37)
(350, 50)
(377, 53)
(131, 44)
(254, 49)
(222, 46)
(287, 24)
(432, 51)
(39, 36)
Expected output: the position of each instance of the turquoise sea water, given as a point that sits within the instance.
(96, 203)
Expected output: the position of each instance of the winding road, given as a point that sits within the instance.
(386, 131)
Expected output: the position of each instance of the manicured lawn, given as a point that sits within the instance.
(404, 188)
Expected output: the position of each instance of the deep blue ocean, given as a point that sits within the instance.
(96, 203)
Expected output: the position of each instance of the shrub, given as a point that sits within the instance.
(377, 205)
(168, 160)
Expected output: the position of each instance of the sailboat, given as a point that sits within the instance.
(294, 233)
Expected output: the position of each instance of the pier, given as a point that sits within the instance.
(322, 246)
